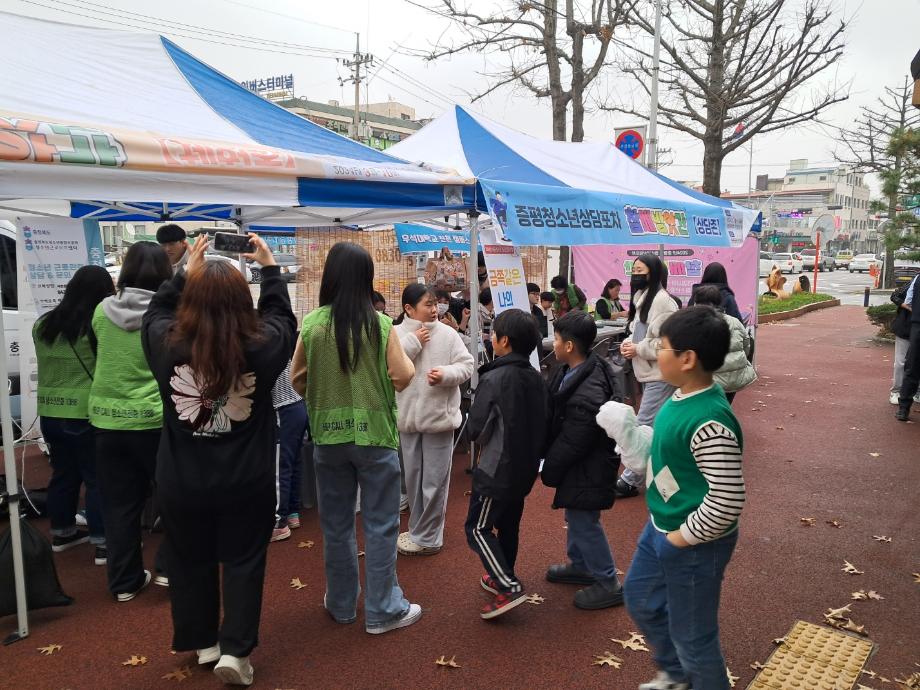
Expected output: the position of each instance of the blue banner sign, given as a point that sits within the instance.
(417, 239)
(529, 214)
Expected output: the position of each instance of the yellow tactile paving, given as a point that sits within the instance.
(814, 657)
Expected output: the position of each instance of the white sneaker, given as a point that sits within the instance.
(663, 682)
(128, 596)
(209, 655)
(403, 540)
(80, 518)
(917, 398)
(161, 580)
(410, 548)
(412, 616)
(234, 670)
(893, 398)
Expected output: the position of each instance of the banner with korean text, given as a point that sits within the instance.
(418, 239)
(594, 266)
(530, 214)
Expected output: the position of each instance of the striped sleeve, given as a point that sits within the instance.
(718, 457)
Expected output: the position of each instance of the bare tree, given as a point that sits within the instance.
(548, 52)
(867, 146)
(726, 63)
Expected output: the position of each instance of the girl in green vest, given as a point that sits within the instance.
(608, 307)
(126, 411)
(348, 365)
(65, 348)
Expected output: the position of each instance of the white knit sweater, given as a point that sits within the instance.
(425, 409)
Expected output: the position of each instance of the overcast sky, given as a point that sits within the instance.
(883, 38)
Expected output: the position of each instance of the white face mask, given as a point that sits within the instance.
(442, 309)
(559, 291)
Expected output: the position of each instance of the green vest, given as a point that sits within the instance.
(124, 395)
(355, 407)
(63, 383)
(675, 424)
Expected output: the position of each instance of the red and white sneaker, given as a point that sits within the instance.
(503, 602)
(489, 584)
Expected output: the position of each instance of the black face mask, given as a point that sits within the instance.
(638, 282)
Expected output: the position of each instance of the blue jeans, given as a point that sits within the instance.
(340, 469)
(292, 424)
(73, 462)
(588, 548)
(673, 595)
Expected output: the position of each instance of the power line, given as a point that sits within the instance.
(289, 16)
(399, 74)
(146, 27)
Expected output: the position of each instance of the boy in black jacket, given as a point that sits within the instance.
(506, 420)
(581, 462)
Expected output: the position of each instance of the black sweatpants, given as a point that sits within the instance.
(492, 528)
(202, 535)
(911, 381)
(125, 468)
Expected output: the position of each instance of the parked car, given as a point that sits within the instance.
(844, 257)
(827, 262)
(864, 262)
(287, 263)
(904, 274)
(788, 263)
(766, 263)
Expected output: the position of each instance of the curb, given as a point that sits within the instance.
(791, 314)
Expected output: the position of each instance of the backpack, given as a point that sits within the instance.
(43, 588)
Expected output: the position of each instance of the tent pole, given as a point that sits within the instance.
(473, 277)
(12, 488)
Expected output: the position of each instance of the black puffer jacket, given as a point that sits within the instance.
(508, 421)
(581, 462)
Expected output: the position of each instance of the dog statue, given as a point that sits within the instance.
(801, 285)
(775, 282)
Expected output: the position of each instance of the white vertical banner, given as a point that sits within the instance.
(48, 252)
(506, 277)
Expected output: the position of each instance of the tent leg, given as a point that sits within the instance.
(473, 277)
(12, 488)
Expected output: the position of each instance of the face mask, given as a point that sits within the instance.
(442, 309)
(638, 282)
(559, 291)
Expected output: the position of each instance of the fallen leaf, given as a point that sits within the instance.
(852, 627)
(467, 493)
(757, 666)
(875, 596)
(874, 455)
(360, 554)
(732, 679)
(179, 674)
(912, 681)
(871, 674)
(50, 649)
(305, 545)
(916, 577)
(887, 540)
(297, 584)
(860, 595)
(779, 640)
(850, 569)
(449, 663)
(619, 572)
(135, 660)
(807, 521)
(535, 599)
(780, 428)
(607, 659)
(636, 642)
(838, 614)
(834, 523)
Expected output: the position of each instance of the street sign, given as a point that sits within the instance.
(631, 141)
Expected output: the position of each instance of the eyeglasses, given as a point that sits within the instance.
(658, 348)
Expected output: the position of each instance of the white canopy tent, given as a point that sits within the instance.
(126, 126)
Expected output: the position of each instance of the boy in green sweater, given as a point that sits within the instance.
(695, 496)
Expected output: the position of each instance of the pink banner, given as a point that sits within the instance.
(595, 265)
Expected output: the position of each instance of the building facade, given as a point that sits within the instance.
(835, 198)
(382, 124)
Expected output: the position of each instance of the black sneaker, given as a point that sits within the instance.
(101, 556)
(58, 544)
(598, 597)
(903, 414)
(625, 489)
(567, 574)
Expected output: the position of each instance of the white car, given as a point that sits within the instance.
(788, 263)
(864, 262)
(766, 263)
(234, 261)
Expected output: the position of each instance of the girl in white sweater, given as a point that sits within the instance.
(650, 306)
(429, 412)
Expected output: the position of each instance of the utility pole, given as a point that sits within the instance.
(355, 78)
(653, 110)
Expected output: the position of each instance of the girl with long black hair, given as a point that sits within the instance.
(649, 307)
(65, 347)
(349, 364)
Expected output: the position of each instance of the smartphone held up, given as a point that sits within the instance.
(233, 243)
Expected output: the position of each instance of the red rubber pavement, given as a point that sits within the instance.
(823, 381)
